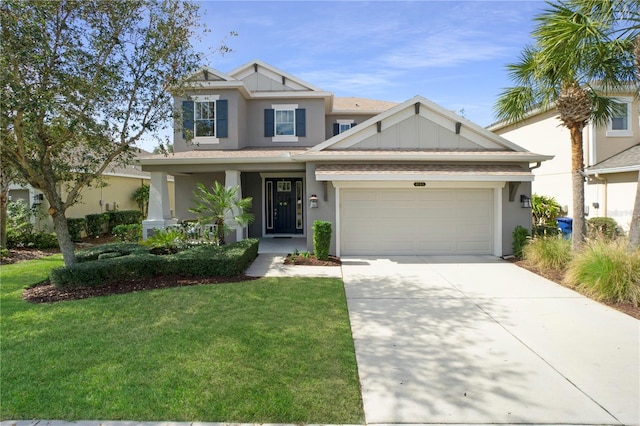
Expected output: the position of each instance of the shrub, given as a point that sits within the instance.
(123, 249)
(166, 241)
(603, 228)
(321, 239)
(131, 232)
(38, 240)
(124, 217)
(548, 252)
(97, 224)
(520, 239)
(76, 226)
(44, 240)
(607, 270)
(205, 260)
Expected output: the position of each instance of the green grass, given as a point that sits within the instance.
(270, 350)
(548, 252)
(606, 270)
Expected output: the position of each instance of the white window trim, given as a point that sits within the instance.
(622, 133)
(341, 122)
(284, 138)
(205, 140)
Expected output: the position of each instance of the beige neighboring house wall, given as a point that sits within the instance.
(117, 190)
(609, 190)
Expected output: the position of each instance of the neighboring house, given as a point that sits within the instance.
(114, 193)
(410, 178)
(611, 155)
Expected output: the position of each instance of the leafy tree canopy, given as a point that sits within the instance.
(82, 81)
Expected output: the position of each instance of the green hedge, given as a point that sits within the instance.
(123, 249)
(76, 225)
(132, 232)
(97, 224)
(205, 260)
(321, 239)
(124, 217)
(603, 228)
(37, 240)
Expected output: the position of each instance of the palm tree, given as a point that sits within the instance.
(220, 206)
(578, 61)
(634, 229)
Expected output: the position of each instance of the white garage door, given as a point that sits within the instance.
(418, 221)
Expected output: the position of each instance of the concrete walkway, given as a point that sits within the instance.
(471, 340)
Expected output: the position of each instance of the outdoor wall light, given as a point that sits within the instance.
(313, 201)
(37, 199)
(525, 201)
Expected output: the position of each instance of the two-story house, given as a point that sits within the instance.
(409, 178)
(611, 154)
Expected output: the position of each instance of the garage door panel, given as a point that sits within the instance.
(394, 221)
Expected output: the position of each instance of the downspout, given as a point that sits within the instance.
(538, 164)
(604, 192)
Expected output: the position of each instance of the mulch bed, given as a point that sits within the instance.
(296, 259)
(45, 292)
(558, 277)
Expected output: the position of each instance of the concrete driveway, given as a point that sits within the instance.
(479, 340)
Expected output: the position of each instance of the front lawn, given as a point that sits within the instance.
(269, 350)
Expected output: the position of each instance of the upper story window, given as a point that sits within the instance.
(205, 119)
(620, 122)
(284, 123)
(341, 126)
(205, 114)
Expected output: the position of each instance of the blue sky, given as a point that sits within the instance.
(451, 52)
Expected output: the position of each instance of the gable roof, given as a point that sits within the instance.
(260, 67)
(471, 136)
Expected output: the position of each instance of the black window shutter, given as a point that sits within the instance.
(301, 124)
(336, 128)
(269, 122)
(187, 117)
(222, 119)
(353, 124)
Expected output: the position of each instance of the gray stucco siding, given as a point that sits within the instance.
(233, 124)
(514, 215)
(326, 206)
(315, 132)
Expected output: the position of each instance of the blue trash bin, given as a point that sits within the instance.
(566, 226)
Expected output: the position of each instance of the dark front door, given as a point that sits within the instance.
(284, 205)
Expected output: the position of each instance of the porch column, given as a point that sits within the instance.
(159, 214)
(231, 180)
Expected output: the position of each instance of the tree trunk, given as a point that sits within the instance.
(4, 198)
(577, 179)
(64, 239)
(634, 230)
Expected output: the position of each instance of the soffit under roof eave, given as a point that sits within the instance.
(205, 161)
(417, 177)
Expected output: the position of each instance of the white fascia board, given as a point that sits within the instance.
(290, 94)
(613, 170)
(247, 69)
(423, 156)
(148, 177)
(214, 72)
(423, 178)
(200, 161)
